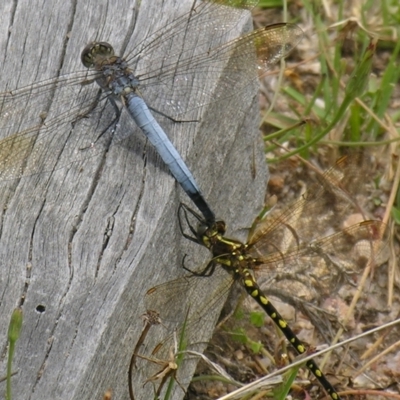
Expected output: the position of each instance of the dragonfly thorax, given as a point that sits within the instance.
(116, 77)
(114, 73)
(120, 82)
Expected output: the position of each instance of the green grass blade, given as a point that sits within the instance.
(14, 331)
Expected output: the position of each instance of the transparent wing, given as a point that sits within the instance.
(320, 211)
(175, 299)
(48, 137)
(188, 308)
(311, 243)
(234, 67)
(319, 267)
(206, 23)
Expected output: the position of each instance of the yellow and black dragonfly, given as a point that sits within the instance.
(288, 241)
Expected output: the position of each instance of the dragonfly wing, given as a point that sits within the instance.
(319, 267)
(320, 211)
(226, 71)
(47, 125)
(192, 65)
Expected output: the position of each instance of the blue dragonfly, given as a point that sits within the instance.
(183, 51)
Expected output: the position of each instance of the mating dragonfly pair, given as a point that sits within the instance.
(123, 80)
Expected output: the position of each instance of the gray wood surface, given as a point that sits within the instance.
(88, 240)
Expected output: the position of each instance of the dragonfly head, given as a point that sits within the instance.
(96, 53)
(208, 233)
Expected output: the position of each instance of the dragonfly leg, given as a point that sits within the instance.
(112, 125)
(185, 210)
(177, 121)
(206, 272)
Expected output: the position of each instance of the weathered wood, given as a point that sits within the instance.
(84, 243)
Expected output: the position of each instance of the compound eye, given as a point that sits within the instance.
(96, 52)
(220, 226)
(201, 230)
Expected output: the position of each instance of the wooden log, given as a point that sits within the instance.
(83, 243)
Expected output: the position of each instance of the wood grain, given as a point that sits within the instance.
(84, 243)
